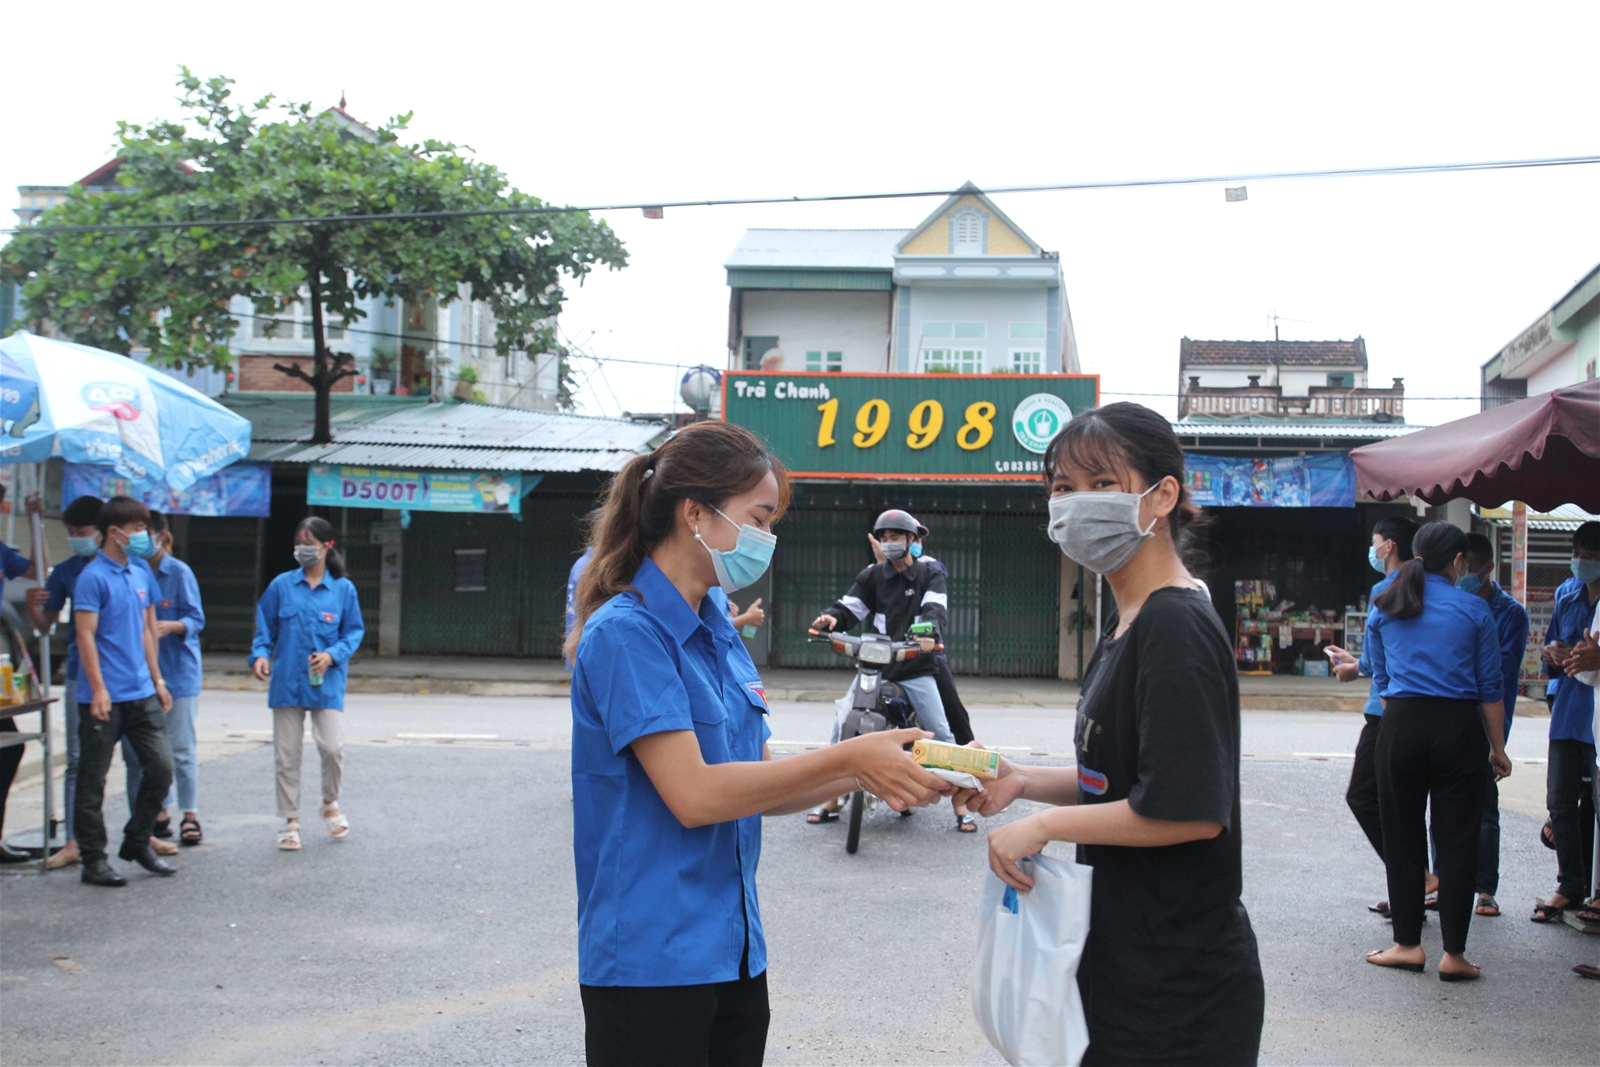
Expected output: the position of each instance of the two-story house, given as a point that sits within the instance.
(1282, 379)
(967, 291)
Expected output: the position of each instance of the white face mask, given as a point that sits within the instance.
(1100, 530)
(306, 555)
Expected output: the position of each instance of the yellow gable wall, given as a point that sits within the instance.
(935, 240)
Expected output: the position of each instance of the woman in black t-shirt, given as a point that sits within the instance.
(1170, 973)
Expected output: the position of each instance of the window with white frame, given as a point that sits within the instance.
(967, 234)
(294, 322)
(825, 361)
(952, 361)
(1027, 361)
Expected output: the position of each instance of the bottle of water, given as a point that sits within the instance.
(315, 675)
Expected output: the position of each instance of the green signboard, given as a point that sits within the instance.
(992, 427)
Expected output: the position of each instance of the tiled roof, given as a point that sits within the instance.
(1288, 353)
(816, 249)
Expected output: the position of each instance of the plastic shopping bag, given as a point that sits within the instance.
(1024, 982)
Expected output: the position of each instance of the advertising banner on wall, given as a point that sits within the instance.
(989, 427)
(373, 487)
(239, 489)
(1327, 480)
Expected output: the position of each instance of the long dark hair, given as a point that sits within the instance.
(707, 462)
(1435, 547)
(322, 530)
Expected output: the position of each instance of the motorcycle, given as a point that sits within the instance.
(875, 704)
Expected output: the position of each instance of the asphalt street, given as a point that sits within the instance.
(443, 931)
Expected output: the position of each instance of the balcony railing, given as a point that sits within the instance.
(1268, 402)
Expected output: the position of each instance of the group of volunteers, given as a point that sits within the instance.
(1444, 649)
(133, 675)
(672, 773)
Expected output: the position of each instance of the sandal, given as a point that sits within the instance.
(1587, 970)
(289, 839)
(817, 816)
(1487, 906)
(1589, 913)
(1548, 913)
(966, 824)
(163, 827)
(1431, 901)
(1547, 835)
(163, 848)
(338, 825)
(189, 830)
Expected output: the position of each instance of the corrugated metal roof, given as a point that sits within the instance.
(450, 436)
(817, 249)
(1369, 430)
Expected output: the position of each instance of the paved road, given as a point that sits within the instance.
(443, 932)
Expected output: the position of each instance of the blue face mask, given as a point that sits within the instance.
(83, 546)
(1469, 583)
(1373, 561)
(141, 545)
(746, 562)
(916, 550)
(1585, 570)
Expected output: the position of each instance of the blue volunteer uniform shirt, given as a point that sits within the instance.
(1572, 711)
(63, 578)
(293, 620)
(659, 904)
(13, 564)
(572, 593)
(119, 594)
(1511, 628)
(1374, 698)
(178, 600)
(1451, 650)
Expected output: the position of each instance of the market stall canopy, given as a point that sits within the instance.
(1544, 451)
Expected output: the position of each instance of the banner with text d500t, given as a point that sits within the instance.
(375, 487)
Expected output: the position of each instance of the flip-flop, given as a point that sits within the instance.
(817, 816)
(966, 824)
(1431, 901)
(1487, 906)
(1547, 913)
(1587, 970)
(1414, 968)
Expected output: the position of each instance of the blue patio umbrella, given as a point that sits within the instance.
(90, 406)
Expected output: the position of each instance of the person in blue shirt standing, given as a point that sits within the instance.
(113, 608)
(308, 625)
(13, 564)
(1390, 548)
(1436, 661)
(44, 605)
(572, 592)
(179, 620)
(1569, 788)
(1511, 628)
(670, 766)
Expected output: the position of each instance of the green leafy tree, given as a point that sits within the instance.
(168, 290)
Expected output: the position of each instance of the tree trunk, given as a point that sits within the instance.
(321, 373)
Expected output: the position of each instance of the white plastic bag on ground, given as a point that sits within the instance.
(1024, 981)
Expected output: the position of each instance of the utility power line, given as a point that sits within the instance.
(654, 205)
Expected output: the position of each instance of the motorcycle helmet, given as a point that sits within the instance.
(895, 519)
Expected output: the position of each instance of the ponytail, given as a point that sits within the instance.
(322, 530)
(1435, 546)
(707, 462)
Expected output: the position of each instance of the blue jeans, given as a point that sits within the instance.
(69, 783)
(185, 791)
(923, 692)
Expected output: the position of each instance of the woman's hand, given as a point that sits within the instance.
(885, 769)
(997, 796)
(1010, 844)
(1501, 764)
(320, 661)
(262, 668)
(1345, 666)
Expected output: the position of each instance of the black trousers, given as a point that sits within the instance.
(954, 710)
(723, 1024)
(10, 760)
(1362, 796)
(1431, 749)
(145, 727)
(1569, 794)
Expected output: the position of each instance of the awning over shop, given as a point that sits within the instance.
(1544, 451)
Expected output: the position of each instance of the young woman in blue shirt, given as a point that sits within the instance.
(1436, 663)
(670, 767)
(308, 625)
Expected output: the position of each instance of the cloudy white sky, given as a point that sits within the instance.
(605, 103)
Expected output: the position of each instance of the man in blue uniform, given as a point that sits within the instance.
(1569, 789)
(1511, 628)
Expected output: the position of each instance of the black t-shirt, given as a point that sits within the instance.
(1170, 971)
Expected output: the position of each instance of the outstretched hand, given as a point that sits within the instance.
(883, 767)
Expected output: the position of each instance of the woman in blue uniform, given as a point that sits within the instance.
(1436, 663)
(670, 768)
(308, 625)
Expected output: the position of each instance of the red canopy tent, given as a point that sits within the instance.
(1544, 451)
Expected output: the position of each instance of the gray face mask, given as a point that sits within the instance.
(306, 555)
(892, 550)
(1099, 530)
